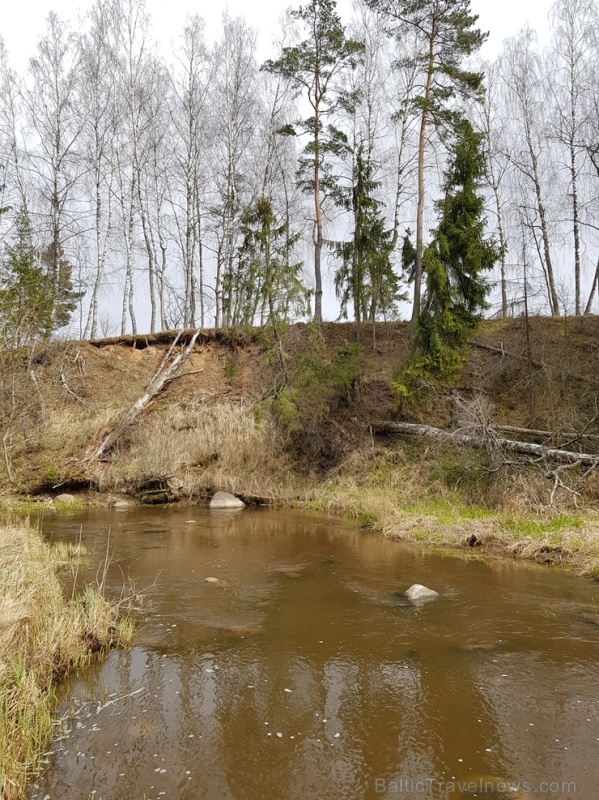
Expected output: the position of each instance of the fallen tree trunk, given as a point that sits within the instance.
(501, 352)
(140, 341)
(108, 435)
(469, 440)
(571, 436)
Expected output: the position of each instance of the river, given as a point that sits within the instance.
(302, 673)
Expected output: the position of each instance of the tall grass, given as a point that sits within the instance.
(42, 635)
(199, 447)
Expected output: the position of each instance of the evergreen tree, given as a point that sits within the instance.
(312, 67)
(455, 263)
(454, 266)
(29, 306)
(25, 289)
(366, 277)
(446, 35)
(269, 285)
(64, 297)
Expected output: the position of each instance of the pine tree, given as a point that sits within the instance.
(446, 32)
(312, 67)
(455, 263)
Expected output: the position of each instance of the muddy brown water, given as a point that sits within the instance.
(302, 675)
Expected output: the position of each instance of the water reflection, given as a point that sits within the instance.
(302, 676)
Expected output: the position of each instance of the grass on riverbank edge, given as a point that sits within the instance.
(42, 635)
(558, 538)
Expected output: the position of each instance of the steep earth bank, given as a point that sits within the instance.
(293, 421)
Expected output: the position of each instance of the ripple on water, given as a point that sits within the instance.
(306, 678)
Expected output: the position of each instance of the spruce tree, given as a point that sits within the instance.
(312, 67)
(269, 285)
(366, 278)
(455, 263)
(26, 297)
(64, 298)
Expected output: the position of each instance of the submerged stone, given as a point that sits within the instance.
(226, 500)
(478, 647)
(420, 592)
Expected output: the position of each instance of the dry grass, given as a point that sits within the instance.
(411, 500)
(201, 447)
(42, 635)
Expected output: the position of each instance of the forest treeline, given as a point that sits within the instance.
(205, 187)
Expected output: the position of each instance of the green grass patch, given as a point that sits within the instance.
(33, 508)
(449, 512)
(542, 528)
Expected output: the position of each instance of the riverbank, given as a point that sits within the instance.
(42, 636)
(390, 503)
(296, 423)
(568, 540)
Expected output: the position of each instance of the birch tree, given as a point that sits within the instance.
(235, 105)
(522, 73)
(493, 125)
(11, 112)
(97, 90)
(189, 109)
(56, 123)
(575, 29)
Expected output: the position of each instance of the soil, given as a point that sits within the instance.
(540, 374)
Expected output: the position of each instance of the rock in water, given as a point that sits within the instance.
(122, 504)
(226, 500)
(419, 592)
(216, 582)
(64, 498)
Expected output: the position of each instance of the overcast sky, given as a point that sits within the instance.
(22, 21)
